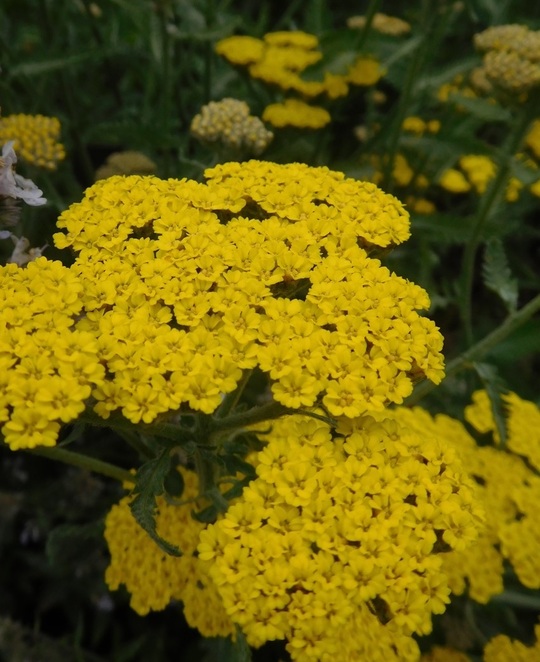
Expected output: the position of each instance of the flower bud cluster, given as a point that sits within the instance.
(35, 139)
(126, 163)
(228, 122)
(512, 57)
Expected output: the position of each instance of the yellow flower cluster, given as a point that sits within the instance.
(532, 140)
(503, 649)
(512, 57)
(293, 112)
(126, 163)
(335, 546)
(36, 139)
(509, 490)
(280, 57)
(181, 301)
(476, 172)
(48, 367)
(391, 25)
(228, 122)
(153, 577)
(419, 126)
(404, 176)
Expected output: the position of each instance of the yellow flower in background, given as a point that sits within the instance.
(391, 25)
(36, 139)
(126, 163)
(365, 71)
(240, 50)
(532, 140)
(293, 112)
(280, 58)
(454, 181)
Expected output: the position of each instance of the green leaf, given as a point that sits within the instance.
(524, 172)
(523, 342)
(149, 484)
(40, 67)
(225, 649)
(174, 482)
(489, 12)
(482, 108)
(494, 386)
(442, 228)
(497, 275)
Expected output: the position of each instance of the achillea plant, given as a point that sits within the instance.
(280, 58)
(293, 112)
(35, 138)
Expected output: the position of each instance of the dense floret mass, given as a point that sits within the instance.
(188, 284)
(36, 139)
(154, 578)
(336, 546)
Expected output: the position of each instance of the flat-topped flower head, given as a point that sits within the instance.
(187, 284)
(345, 530)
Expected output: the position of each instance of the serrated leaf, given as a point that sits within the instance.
(497, 275)
(494, 386)
(149, 484)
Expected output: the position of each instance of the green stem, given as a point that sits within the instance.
(481, 348)
(431, 36)
(166, 84)
(495, 189)
(209, 51)
(372, 9)
(84, 462)
(231, 399)
(250, 417)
